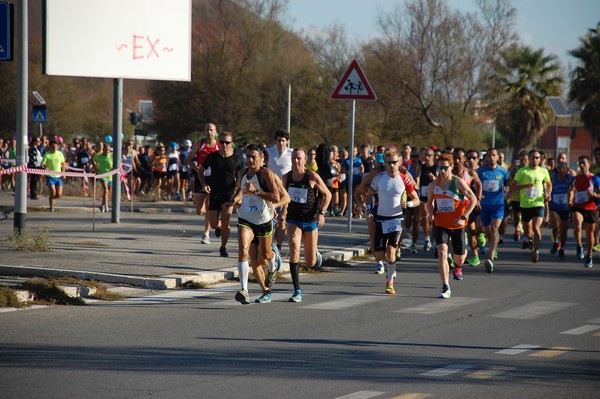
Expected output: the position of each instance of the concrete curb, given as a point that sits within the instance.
(155, 283)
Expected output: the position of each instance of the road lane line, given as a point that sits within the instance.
(440, 306)
(534, 310)
(515, 350)
(414, 395)
(361, 395)
(552, 352)
(581, 330)
(489, 373)
(444, 371)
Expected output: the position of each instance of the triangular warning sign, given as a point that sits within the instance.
(354, 85)
(39, 118)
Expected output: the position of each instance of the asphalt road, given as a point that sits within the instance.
(525, 331)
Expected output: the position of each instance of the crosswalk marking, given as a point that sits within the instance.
(581, 330)
(489, 373)
(361, 395)
(347, 302)
(534, 310)
(594, 321)
(515, 350)
(414, 395)
(169, 296)
(440, 306)
(444, 371)
(552, 352)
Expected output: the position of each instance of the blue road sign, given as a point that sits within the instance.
(40, 114)
(6, 31)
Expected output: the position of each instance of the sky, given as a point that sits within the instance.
(555, 25)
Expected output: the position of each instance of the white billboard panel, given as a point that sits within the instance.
(132, 39)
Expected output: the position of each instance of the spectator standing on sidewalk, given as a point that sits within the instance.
(221, 187)
(34, 161)
(54, 160)
(305, 215)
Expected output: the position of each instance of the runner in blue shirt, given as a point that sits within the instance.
(493, 178)
(560, 211)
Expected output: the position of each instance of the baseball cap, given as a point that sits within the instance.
(188, 143)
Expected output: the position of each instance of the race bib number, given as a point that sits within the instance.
(560, 199)
(445, 205)
(391, 225)
(207, 172)
(253, 204)
(298, 195)
(533, 192)
(424, 191)
(581, 197)
(491, 185)
(85, 160)
(173, 167)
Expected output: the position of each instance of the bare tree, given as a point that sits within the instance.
(441, 61)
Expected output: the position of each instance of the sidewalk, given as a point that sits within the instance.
(156, 246)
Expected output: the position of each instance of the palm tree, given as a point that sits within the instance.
(585, 80)
(526, 77)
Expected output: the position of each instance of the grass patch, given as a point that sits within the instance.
(48, 292)
(28, 241)
(194, 285)
(8, 298)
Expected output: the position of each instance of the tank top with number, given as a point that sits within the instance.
(303, 199)
(450, 205)
(425, 180)
(560, 193)
(582, 185)
(254, 209)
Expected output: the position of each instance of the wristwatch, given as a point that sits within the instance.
(321, 211)
(463, 217)
(257, 191)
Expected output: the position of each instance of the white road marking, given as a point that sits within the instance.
(444, 371)
(361, 395)
(441, 306)
(490, 372)
(515, 350)
(534, 310)
(594, 321)
(348, 302)
(581, 330)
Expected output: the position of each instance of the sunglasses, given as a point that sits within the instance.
(391, 162)
(472, 157)
(535, 157)
(225, 142)
(444, 168)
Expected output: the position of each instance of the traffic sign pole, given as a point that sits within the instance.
(353, 86)
(22, 90)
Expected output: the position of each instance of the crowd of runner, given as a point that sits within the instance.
(449, 202)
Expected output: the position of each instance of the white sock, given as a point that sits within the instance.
(389, 271)
(380, 263)
(272, 265)
(244, 271)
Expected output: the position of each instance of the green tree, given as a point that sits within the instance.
(585, 80)
(527, 77)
